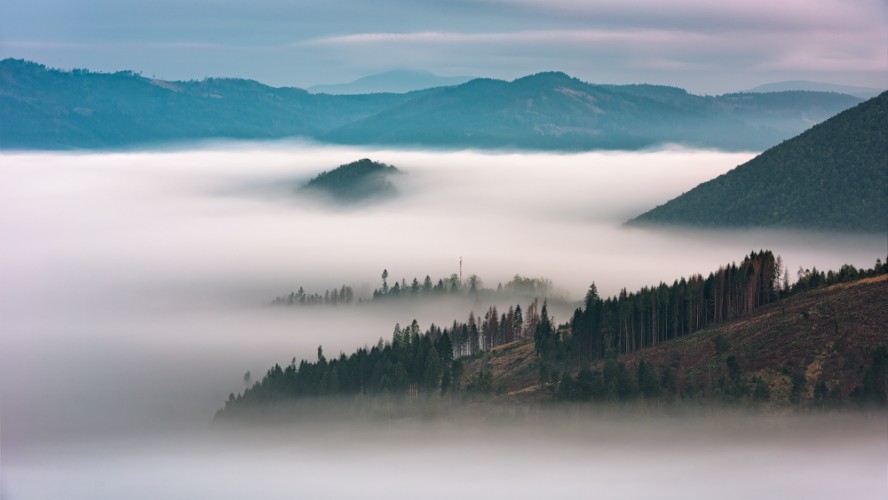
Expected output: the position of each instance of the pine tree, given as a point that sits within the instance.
(518, 323)
(544, 334)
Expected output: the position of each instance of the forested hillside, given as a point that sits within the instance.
(833, 176)
(45, 108)
(825, 347)
(734, 336)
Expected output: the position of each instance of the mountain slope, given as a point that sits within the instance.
(828, 334)
(833, 176)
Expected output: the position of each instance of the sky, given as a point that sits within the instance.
(704, 46)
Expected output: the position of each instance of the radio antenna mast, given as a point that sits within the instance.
(460, 269)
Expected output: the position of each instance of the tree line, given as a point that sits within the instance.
(453, 284)
(520, 286)
(343, 295)
(632, 321)
(628, 322)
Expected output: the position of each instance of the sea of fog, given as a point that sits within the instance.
(134, 290)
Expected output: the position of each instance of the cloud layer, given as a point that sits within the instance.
(703, 46)
(134, 283)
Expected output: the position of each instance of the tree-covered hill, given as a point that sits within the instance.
(44, 108)
(354, 182)
(833, 176)
(737, 337)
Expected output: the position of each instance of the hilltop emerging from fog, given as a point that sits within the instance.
(45, 108)
(355, 182)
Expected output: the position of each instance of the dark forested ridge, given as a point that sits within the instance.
(833, 177)
(742, 334)
(45, 108)
(355, 182)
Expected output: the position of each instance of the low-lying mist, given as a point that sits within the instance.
(135, 285)
(550, 455)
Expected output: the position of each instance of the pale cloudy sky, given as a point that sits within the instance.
(703, 45)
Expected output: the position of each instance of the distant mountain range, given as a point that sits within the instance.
(862, 92)
(397, 81)
(44, 108)
(833, 176)
(555, 111)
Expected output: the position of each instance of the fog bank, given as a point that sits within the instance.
(553, 456)
(134, 284)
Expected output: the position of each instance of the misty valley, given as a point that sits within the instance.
(493, 250)
(479, 311)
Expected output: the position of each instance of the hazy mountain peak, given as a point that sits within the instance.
(395, 81)
(789, 85)
(547, 76)
(11, 62)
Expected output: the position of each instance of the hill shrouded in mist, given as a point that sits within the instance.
(833, 176)
(51, 109)
(862, 92)
(355, 182)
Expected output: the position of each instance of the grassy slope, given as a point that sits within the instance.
(827, 333)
